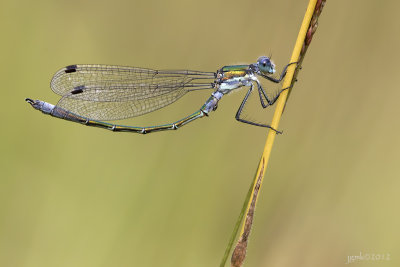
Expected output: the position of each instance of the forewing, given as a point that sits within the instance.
(118, 83)
(105, 92)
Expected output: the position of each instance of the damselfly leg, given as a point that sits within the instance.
(269, 103)
(283, 74)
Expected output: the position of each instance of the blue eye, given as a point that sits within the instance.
(265, 65)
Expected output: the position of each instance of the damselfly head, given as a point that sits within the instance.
(265, 65)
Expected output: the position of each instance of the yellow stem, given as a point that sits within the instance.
(282, 98)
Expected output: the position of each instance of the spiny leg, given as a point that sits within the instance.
(283, 73)
(270, 102)
(250, 122)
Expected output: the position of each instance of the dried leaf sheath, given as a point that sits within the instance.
(239, 254)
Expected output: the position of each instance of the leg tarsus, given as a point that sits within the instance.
(261, 92)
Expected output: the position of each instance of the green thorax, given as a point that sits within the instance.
(234, 71)
(235, 68)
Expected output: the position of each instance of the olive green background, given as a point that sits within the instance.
(78, 196)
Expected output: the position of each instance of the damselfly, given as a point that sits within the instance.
(92, 94)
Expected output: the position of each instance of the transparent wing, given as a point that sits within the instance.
(105, 92)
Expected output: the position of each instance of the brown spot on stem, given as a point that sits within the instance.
(239, 253)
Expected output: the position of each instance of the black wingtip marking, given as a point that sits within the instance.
(70, 69)
(77, 90)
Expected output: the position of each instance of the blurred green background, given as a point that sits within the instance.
(80, 196)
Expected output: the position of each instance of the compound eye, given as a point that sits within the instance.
(265, 65)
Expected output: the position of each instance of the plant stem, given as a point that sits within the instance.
(307, 29)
